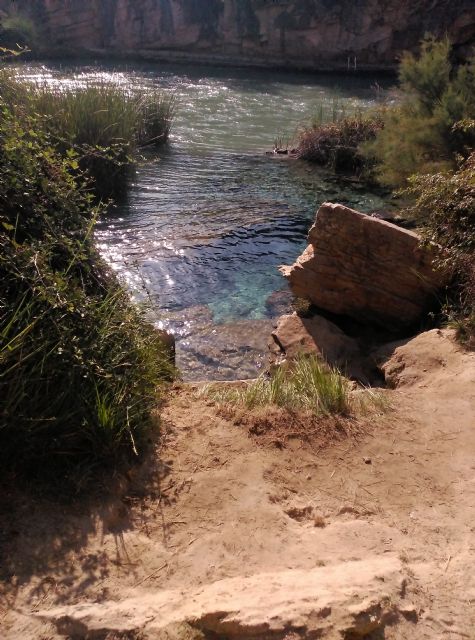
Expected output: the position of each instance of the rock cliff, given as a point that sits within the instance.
(314, 34)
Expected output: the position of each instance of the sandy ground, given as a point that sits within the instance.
(216, 502)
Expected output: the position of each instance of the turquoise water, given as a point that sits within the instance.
(209, 219)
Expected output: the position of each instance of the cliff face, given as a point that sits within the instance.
(293, 33)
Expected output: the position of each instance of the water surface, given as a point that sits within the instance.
(209, 219)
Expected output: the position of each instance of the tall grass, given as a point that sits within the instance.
(335, 111)
(105, 123)
(308, 385)
(79, 365)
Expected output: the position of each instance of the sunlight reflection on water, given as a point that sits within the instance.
(205, 228)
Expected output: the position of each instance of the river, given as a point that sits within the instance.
(209, 218)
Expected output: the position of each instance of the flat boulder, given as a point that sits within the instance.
(365, 268)
(346, 600)
(315, 335)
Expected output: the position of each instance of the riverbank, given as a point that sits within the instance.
(219, 507)
(213, 60)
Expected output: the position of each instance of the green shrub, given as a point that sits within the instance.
(79, 366)
(444, 204)
(418, 134)
(18, 30)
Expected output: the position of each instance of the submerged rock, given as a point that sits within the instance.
(279, 303)
(365, 268)
(230, 351)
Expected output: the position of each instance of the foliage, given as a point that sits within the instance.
(418, 134)
(79, 366)
(17, 30)
(105, 123)
(444, 203)
(336, 144)
(308, 385)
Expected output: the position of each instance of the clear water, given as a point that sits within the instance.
(209, 219)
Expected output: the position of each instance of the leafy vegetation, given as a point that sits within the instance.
(420, 134)
(444, 204)
(17, 30)
(423, 147)
(307, 385)
(79, 365)
(104, 123)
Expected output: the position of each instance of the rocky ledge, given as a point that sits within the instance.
(363, 276)
(367, 269)
(312, 34)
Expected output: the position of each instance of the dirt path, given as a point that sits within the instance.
(216, 514)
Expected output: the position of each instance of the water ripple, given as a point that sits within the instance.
(207, 223)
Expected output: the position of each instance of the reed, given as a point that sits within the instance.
(336, 144)
(106, 124)
(80, 367)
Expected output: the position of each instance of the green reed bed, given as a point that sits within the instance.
(105, 123)
(80, 367)
(308, 384)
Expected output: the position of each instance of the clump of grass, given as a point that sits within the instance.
(337, 144)
(334, 111)
(104, 123)
(79, 365)
(156, 112)
(307, 384)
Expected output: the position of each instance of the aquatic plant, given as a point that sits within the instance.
(105, 123)
(337, 144)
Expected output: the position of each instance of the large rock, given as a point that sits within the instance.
(316, 335)
(347, 600)
(314, 34)
(365, 268)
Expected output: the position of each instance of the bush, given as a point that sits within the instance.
(103, 122)
(444, 204)
(418, 135)
(79, 365)
(336, 144)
